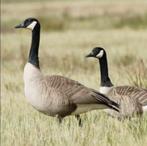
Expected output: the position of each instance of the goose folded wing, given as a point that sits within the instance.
(78, 93)
(138, 93)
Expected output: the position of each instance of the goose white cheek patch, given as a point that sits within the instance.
(100, 54)
(32, 25)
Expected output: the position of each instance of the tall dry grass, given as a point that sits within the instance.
(62, 52)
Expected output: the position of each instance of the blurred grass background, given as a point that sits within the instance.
(65, 15)
(70, 29)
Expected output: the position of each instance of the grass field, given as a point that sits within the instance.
(69, 31)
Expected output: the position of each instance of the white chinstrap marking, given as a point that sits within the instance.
(100, 55)
(32, 25)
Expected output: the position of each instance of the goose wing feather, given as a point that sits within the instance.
(138, 93)
(78, 93)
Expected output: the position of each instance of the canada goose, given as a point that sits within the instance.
(57, 95)
(132, 100)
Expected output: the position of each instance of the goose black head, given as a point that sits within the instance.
(29, 23)
(96, 52)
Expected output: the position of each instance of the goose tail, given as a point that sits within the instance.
(108, 102)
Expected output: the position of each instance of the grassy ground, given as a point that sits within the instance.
(62, 51)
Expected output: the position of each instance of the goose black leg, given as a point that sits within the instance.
(79, 120)
(60, 119)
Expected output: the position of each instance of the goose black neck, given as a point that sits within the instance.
(33, 55)
(105, 80)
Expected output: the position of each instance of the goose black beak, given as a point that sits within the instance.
(90, 55)
(20, 26)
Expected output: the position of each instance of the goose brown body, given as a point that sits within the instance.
(129, 99)
(58, 95)
(138, 93)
